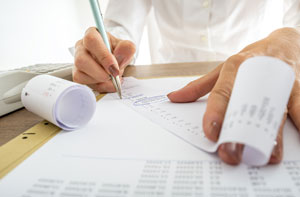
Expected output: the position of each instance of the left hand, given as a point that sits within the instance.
(283, 44)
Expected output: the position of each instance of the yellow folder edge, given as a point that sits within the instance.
(21, 147)
(18, 149)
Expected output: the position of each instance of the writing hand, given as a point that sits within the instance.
(94, 63)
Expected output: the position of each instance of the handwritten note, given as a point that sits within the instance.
(257, 104)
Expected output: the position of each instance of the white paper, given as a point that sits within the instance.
(253, 116)
(256, 107)
(123, 154)
(64, 103)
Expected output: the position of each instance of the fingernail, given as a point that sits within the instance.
(214, 130)
(231, 153)
(174, 91)
(276, 155)
(120, 60)
(173, 98)
(113, 70)
(169, 94)
(275, 151)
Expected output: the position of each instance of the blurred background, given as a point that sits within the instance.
(41, 31)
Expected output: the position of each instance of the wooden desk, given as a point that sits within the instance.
(13, 124)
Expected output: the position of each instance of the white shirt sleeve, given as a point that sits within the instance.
(292, 13)
(126, 19)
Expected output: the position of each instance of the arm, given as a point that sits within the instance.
(126, 20)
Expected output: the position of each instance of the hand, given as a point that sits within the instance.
(283, 44)
(94, 63)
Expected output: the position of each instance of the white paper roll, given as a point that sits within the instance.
(257, 104)
(64, 103)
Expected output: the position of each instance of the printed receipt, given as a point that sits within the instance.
(64, 103)
(253, 117)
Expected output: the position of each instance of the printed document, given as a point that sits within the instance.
(124, 152)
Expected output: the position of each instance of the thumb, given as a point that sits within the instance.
(124, 52)
(196, 89)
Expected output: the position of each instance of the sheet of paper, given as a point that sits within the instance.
(121, 153)
(256, 108)
(66, 104)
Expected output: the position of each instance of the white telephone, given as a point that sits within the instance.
(12, 82)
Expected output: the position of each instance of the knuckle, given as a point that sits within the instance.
(130, 46)
(80, 62)
(235, 60)
(76, 77)
(197, 90)
(89, 39)
(78, 43)
(106, 59)
(223, 92)
(90, 29)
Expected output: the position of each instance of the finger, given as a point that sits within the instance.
(104, 87)
(277, 152)
(196, 89)
(94, 43)
(124, 52)
(231, 153)
(81, 77)
(85, 63)
(218, 99)
(294, 104)
(122, 70)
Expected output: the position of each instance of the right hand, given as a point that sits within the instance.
(94, 63)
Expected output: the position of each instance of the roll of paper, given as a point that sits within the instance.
(66, 104)
(257, 104)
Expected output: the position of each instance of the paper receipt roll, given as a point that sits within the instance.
(257, 104)
(64, 103)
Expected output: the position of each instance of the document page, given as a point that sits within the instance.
(121, 153)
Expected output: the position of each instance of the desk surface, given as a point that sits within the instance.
(13, 124)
